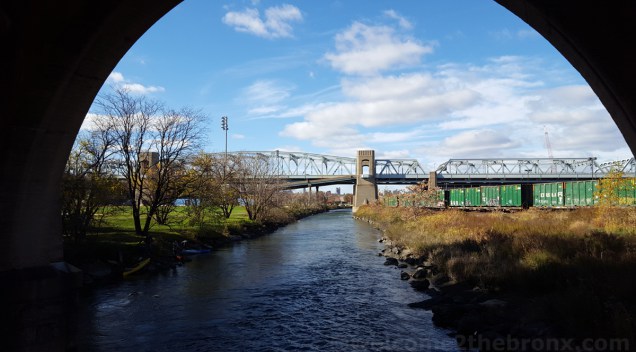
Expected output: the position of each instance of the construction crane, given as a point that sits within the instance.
(548, 146)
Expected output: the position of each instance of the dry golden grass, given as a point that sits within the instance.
(485, 247)
(577, 260)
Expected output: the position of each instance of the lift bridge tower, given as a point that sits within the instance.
(365, 190)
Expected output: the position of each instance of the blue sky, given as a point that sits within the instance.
(430, 80)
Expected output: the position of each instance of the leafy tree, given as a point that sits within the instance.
(419, 195)
(612, 191)
(348, 198)
(224, 170)
(256, 184)
(209, 191)
(608, 189)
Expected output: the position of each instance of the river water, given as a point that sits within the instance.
(315, 285)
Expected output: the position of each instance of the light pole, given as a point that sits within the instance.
(224, 127)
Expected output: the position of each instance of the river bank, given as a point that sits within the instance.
(315, 285)
(104, 259)
(511, 280)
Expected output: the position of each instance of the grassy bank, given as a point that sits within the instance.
(575, 269)
(113, 238)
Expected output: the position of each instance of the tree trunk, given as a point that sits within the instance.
(137, 220)
(149, 216)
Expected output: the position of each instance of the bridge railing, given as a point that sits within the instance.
(626, 166)
(298, 166)
(534, 168)
(390, 168)
(304, 164)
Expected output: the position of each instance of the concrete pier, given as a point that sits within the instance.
(366, 188)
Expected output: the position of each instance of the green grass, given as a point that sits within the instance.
(114, 234)
(119, 219)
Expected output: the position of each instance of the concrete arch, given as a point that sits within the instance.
(56, 56)
(59, 55)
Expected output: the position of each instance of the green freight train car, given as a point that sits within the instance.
(548, 194)
(580, 193)
(516, 195)
(490, 196)
(442, 198)
(457, 197)
(627, 192)
(472, 197)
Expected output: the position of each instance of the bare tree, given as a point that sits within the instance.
(256, 184)
(176, 138)
(152, 143)
(87, 183)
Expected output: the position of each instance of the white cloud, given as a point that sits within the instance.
(141, 89)
(527, 34)
(319, 134)
(478, 143)
(115, 77)
(392, 137)
(118, 80)
(265, 110)
(403, 22)
(496, 109)
(393, 154)
(247, 21)
(289, 148)
(507, 34)
(275, 24)
(385, 101)
(267, 91)
(576, 120)
(366, 50)
(237, 136)
(89, 122)
(504, 34)
(265, 97)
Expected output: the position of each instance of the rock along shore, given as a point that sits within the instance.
(479, 319)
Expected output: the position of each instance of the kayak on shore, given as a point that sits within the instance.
(136, 268)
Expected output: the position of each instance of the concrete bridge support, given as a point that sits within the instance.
(55, 57)
(432, 179)
(366, 188)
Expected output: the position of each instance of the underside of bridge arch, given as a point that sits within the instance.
(57, 54)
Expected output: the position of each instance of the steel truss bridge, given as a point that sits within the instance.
(460, 172)
(303, 169)
(308, 169)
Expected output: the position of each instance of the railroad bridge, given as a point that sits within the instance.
(365, 172)
(57, 55)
